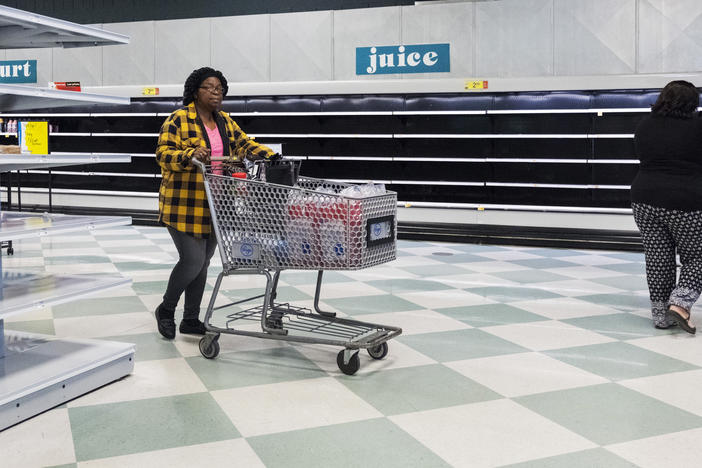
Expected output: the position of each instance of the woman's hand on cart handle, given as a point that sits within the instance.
(202, 153)
(275, 157)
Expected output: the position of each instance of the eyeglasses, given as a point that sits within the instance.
(213, 90)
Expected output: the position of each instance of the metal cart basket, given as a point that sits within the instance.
(264, 228)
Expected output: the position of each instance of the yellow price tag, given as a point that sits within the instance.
(34, 137)
(150, 92)
(476, 84)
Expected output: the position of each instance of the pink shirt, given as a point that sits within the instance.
(216, 149)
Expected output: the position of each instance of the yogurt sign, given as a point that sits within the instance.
(422, 58)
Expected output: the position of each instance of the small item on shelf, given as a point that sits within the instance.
(9, 149)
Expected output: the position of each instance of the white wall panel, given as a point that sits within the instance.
(595, 37)
(514, 38)
(43, 58)
(670, 37)
(363, 28)
(437, 24)
(83, 64)
(133, 63)
(241, 47)
(181, 47)
(301, 46)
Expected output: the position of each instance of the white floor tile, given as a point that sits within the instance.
(679, 450)
(672, 388)
(446, 298)
(150, 379)
(82, 268)
(575, 288)
(105, 325)
(520, 374)
(582, 272)
(416, 321)
(540, 336)
(40, 441)
(91, 251)
(236, 453)
(415, 260)
(489, 434)
(559, 308)
(680, 346)
(266, 409)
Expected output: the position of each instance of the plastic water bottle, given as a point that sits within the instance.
(302, 244)
(333, 241)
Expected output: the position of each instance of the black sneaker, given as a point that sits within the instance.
(192, 327)
(165, 322)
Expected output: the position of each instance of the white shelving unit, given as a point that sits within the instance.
(39, 372)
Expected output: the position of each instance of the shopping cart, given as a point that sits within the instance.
(263, 228)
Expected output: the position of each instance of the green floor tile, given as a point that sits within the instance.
(619, 361)
(609, 413)
(128, 235)
(58, 244)
(132, 249)
(424, 271)
(110, 430)
(552, 252)
(99, 306)
(241, 369)
(542, 263)
(149, 346)
(405, 285)
(487, 315)
(375, 442)
(44, 327)
(76, 259)
(631, 257)
(70, 465)
(627, 282)
(594, 458)
(460, 344)
(149, 287)
(477, 248)
(371, 304)
(633, 268)
(624, 301)
(622, 326)
(141, 266)
(310, 277)
(531, 276)
(458, 258)
(512, 293)
(423, 388)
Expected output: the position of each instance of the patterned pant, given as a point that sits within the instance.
(663, 232)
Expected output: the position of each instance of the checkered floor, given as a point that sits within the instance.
(510, 357)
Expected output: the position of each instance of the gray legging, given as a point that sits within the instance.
(190, 273)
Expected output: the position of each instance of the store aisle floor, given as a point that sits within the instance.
(510, 356)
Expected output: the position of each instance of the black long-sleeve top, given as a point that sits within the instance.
(670, 173)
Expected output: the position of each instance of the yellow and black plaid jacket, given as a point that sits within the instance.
(182, 201)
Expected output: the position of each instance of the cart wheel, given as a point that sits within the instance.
(10, 251)
(378, 352)
(209, 347)
(350, 368)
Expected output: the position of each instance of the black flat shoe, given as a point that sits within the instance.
(165, 322)
(662, 326)
(684, 322)
(192, 327)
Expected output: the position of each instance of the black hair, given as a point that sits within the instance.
(192, 84)
(679, 99)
